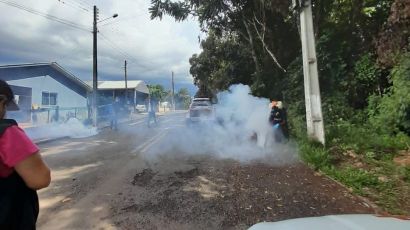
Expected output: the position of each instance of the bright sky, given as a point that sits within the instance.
(152, 48)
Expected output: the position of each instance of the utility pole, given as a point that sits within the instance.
(126, 82)
(95, 75)
(173, 98)
(314, 117)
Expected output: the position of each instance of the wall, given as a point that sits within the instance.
(65, 98)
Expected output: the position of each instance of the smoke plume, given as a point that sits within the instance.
(240, 131)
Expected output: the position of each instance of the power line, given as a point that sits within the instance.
(117, 48)
(73, 5)
(131, 60)
(82, 3)
(47, 16)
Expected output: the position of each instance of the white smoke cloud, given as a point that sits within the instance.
(239, 115)
(73, 128)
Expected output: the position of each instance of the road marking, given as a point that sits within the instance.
(148, 142)
(148, 146)
(136, 123)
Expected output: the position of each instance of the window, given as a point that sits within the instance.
(53, 98)
(49, 98)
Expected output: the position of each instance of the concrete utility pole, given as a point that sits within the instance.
(314, 117)
(95, 75)
(126, 82)
(173, 93)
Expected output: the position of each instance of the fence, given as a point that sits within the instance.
(106, 112)
(48, 115)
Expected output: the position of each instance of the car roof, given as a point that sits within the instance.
(201, 99)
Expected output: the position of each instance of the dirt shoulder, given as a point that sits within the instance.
(206, 193)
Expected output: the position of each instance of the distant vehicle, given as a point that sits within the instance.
(201, 109)
(141, 108)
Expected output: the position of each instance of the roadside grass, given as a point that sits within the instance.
(363, 161)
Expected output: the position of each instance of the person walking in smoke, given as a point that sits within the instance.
(22, 170)
(151, 112)
(277, 120)
(115, 110)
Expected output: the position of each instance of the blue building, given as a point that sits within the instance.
(48, 90)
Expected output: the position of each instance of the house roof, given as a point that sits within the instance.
(138, 85)
(54, 70)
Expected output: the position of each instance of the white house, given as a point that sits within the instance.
(136, 91)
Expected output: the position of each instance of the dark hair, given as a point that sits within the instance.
(8, 94)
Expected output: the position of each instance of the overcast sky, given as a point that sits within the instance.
(152, 48)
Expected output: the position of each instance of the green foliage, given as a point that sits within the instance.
(314, 154)
(391, 113)
(364, 138)
(222, 63)
(182, 99)
(406, 174)
(353, 177)
(157, 91)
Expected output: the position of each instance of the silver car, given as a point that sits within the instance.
(200, 110)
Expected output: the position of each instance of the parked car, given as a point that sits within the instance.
(200, 110)
(141, 108)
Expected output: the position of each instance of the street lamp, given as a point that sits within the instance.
(95, 72)
(113, 16)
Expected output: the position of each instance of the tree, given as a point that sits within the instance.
(256, 42)
(182, 99)
(251, 24)
(157, 92)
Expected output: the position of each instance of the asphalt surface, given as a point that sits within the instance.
(110, 181)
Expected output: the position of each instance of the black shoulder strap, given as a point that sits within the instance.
(5, 123)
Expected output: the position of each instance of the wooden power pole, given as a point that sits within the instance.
(173, 91)
(126, 82)
(95, 73)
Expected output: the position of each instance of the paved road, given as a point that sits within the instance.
(112, 181)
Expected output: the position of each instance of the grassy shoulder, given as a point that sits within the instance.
(372, 165)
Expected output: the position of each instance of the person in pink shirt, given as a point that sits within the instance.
(22, 170)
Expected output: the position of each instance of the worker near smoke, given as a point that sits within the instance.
(277, 120)
(284, 123)
(115, 112)
(22, 170)
(151, 111)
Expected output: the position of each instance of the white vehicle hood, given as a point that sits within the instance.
(337, 222)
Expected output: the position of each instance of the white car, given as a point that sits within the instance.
(141, 108)
(201, 109)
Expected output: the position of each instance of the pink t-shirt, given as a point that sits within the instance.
(15, 146)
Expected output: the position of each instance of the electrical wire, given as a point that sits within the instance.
(47, 16)
(83, 4)
(131, 60)
(73, 5)
(117, 48)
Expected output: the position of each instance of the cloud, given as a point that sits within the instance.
(152, 48)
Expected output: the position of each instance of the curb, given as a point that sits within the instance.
(48, 140)
(365, 200)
